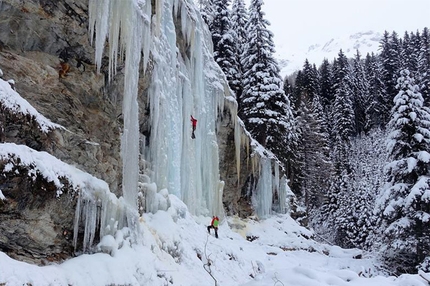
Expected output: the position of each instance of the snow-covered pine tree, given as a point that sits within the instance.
(404, 206)
(329, 223)
(207, 10)
(391, 65)
(313, 156)
(296, 94)
(360, 93)
(239, 18)
(265, 109)
(319, 166)
(424, 65)
(326, 84)
(223, 38)
(406, 53)
(343, 113)
(377, 108)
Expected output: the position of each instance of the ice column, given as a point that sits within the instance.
(283, 190)
(262, 199)
(130, 18)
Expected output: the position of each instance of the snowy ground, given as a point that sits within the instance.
(174, 248)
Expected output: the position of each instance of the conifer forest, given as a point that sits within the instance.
(352, 134)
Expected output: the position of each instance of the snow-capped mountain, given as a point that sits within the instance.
(365, 42)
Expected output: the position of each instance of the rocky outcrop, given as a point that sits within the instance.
(36, 225)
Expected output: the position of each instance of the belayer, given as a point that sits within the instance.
(214, 225)
(194, 125)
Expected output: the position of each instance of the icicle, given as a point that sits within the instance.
(97, 208)
(188, 168)
(77, 220)
(89, 212)
(276, 178)
(283, 189)
(98, 12)
(263, 197)
(237, 144)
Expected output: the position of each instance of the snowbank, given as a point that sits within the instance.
(173, 248)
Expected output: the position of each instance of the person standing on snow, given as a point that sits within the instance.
(194, 124)
(214, 225)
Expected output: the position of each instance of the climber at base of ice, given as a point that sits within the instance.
(214, 225)
(194, 125)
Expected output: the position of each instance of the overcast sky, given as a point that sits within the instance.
(297, 24)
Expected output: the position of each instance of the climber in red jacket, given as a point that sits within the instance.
(194, 124)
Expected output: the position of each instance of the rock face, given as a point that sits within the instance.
(35, 226)
(237, 193)
(35, 37)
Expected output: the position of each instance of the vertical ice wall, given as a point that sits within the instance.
(186, 82)
(271, 192)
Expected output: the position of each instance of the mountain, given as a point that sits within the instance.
(365, 42)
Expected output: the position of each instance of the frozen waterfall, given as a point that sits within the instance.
(185, 81)
(183, 84)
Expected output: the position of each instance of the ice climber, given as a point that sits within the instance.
(214, 225)
(194, 124)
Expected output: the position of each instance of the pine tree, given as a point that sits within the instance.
(424, 65)
(361, 95)
(343, 113)
(367, 159)
(326, 84)
(239, 18)
(410, 51)
(313, 164)
(391, 64)
(296, 94)
(207, 10)
(378, 109)
(317, 165)
(223, 38)
(404, 206)
(266, 109)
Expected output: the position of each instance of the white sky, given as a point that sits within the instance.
(297, 24)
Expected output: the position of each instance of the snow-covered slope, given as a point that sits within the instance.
(365, 42)
(175, 249)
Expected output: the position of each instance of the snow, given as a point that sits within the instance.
(173, 246)
(48, 166)
(14, 102)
